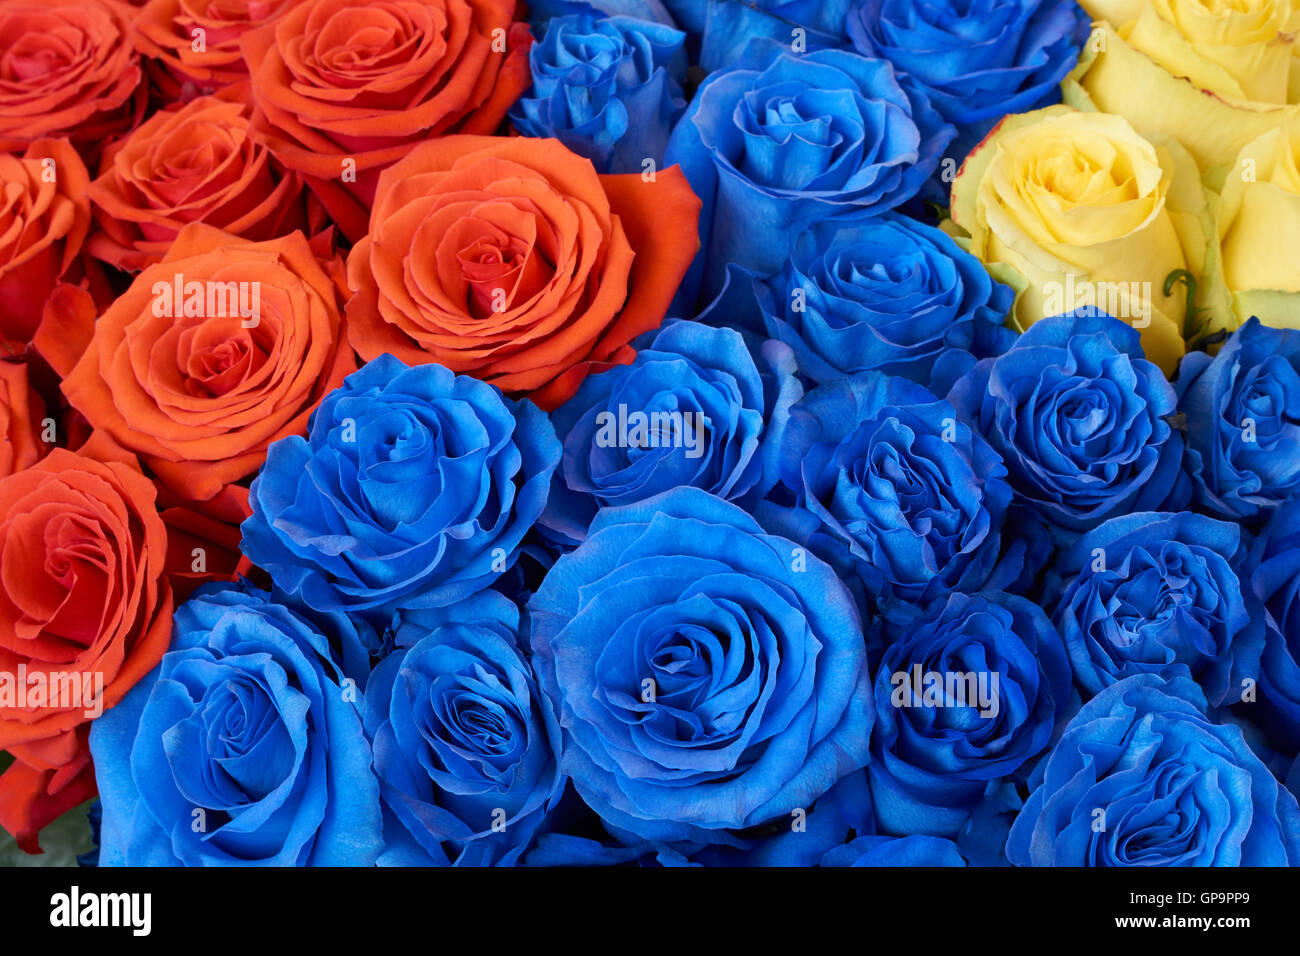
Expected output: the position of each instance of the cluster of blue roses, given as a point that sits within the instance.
(493, 638)
(921, 591)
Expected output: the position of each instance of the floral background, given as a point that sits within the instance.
(650, 432)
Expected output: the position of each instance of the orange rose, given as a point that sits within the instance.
(212, 354)
(85, 612)
(513, 261)
(193, 45)
(344, 90)
(22, 420)
(193, 164)
(44, 216)
(67, 68)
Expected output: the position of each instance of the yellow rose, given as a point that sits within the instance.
(1214, 74)
(1259, 229)
(1088, 213)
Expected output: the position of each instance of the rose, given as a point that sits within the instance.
(1161, 594)
(343, 91)
(1079, 416)
(695, 408)
(413, 489)
(915, 850)
(977, 62)
(970, 694)
(628, 633)
(244, 747)
(608, 88)
(652, 11)
(890, 486)
(23, 432)
(194, 164)
(511, 260)
(1232, 50)
(1258, 226)
(1243, 428)
(1212, 75)
(68, 70)
(466, 748)
(780, 140)
(1089, 214)
(802, 25)
(834, 819)
(193, 47)
(1141, 777)
(1276, 581)
(85, 612)
(200, 397)
(884, 293)
(44, 217)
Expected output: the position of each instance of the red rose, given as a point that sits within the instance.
(193, 45)
(67, 68)
(511, 260)
(44, 217)
(22, 420)
(344, 90)
(176, 373)
(193, 164)
(85, 612)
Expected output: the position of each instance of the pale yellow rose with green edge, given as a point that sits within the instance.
(1088, 213)
(1258, 227)
(1214, 74)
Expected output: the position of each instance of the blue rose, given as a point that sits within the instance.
(540, 11)
(606, 87)
(779, 140)
(1141, 777)
(245, 746)
(694, 408)
(1160, 593)
(917, 850)
(1276, 582)
(803, 838)
(889, 485)
(884, 293)
(977, 60)
(801, 26)
(709, 676)
(466, 749)
(1079, 416)
(971, 693)
(1242, 411)
(414, 488)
